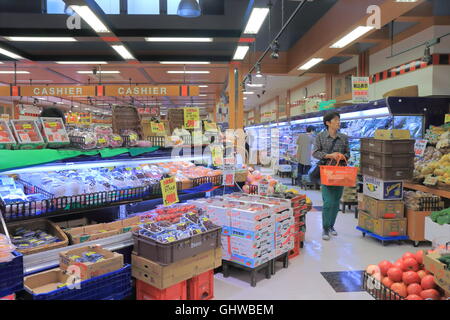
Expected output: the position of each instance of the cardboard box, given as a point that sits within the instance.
(252, 262)
(112, 262)
(251, 244)
(382, 190)
(384, 209)
(267, 224)
(257, 214)
(382, 227)
(365, 221)
(251, 252)
(416, 224)
(46, 281)
(163, 277)
(438, 269)
(250, 235)
(395, 134)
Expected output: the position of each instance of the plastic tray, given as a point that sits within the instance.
(392, 160)
(215, 180)
(387, 146)
(167, 253)
(111, 286)
(11, 275)
(387, 173)
(377, 290)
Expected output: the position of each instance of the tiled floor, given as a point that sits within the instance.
(304, 279)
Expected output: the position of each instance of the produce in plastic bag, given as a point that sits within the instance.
(116, 141)
(131, 137)
(102, 141)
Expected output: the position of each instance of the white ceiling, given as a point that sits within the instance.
(274, 86)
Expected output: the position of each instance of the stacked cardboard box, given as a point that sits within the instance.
(255, 230)
(350, 194)
(386, 161)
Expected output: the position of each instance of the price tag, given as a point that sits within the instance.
(1, 128)
(117, 138)
(228, 178)
(53, 124)
(191, 118)
(263, 189)
(447, 118)
(129, 169)
(27, 126)
(217, 156)
(419, 147)
(102, 140)
(430, 181)
(157, 127)
(169, 191)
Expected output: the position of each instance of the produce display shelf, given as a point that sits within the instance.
(435, 191)
(377, 290)
(382, 239)
(50, 259)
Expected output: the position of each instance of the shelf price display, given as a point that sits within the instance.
(169, 191)
(191, 118)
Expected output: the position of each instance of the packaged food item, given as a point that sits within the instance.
(102, 141)
(83, 139)
(27, 134)
(54, 131)
(6, 136)
(103, 130)
(144, 144)
(131, 137)
(116, 141)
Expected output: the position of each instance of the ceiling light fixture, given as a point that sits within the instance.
(256, 20)
(177, 39)
(42, 39)
(187, 72)
(241, 52)
(352, 36)
(184, 62)
(189, 9)
(91, 19)
(102, 72)
(12, 72)
(81, 62)
(120, 49)
(311, 63)
(427, 57)
(249, 92)
(10, 54)
(203, 86)
(258, 70)
(255, 85)
(275, 50)
(202, 95)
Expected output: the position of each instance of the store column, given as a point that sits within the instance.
(236, 96)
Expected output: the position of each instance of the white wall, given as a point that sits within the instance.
(434, 80)
(269, 107)
(314, 88)
(349, 64)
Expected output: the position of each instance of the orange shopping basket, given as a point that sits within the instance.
(338, 176)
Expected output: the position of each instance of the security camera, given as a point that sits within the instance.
(94, 70)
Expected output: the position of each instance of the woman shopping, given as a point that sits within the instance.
(331, 146)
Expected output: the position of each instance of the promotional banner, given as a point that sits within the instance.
(157, 127)
(169, 191)
(447, 118)
(419, 147)
(217, 156)
(191, 118)
(360, 89)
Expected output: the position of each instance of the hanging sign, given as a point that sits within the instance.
(169, 191)
(325, 105)
(72, 118)
(419, 147)
(217, 156)
(57, 90)
(360, 89)
(447, 118)
(191, 118)
(4, 116)
(157, 127)
(5, 91)
(210, 126)
(148, 90)
(149, 111)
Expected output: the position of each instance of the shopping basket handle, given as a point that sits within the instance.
(337, 162)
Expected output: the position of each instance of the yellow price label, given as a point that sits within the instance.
(217, 156)
(447, 118)
(191, 118)
(157, 127)
(128, 169)
(117, 138)
(1, 128)
(53, 124)
(210, 126)
(169, 191)
(102, 140)
(27, 126)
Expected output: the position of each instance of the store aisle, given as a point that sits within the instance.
(303, 279)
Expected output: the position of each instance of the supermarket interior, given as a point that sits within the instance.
(224, 150)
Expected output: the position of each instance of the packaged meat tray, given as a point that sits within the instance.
(27, 134)
(55, 133)
(6, 136)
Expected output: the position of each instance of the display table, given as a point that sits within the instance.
(418, 187)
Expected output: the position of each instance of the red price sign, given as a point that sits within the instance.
(169, 191)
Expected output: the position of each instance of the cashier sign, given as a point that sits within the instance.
(169, 191)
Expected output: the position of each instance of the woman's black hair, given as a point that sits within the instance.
(330, 116)
(310, 129)
(53, 113)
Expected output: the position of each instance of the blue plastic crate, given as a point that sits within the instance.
(111, 286)
(11, 275)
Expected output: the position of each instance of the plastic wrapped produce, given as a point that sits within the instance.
(103, 141)
(131, 137)
(116, 141)
(103, 130)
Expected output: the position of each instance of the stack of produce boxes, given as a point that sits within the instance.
(175, 253)
(386, 161)
(256, 229)
(300, 208)
(350, 195)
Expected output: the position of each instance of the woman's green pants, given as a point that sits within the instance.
(331, 196)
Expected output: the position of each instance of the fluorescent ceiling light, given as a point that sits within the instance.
(203, 86)
(241, 52)
(81, 62)
(42, 39)
(203, 95)
(123, 52)
(405, 0)
(34, 81)
(185, 62)
(12, 72)
(178, 39)
(255, 85)
(10, 54)
(195, 103)
(103, 72)
(1, 62)
(249, 92)
(190, 72)
(311, 63)
(256, 20)
(352, 36)
(91, 19)
(245, 98)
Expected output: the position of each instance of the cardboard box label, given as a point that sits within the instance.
(382, 190)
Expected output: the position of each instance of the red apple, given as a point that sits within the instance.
(410, 264)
